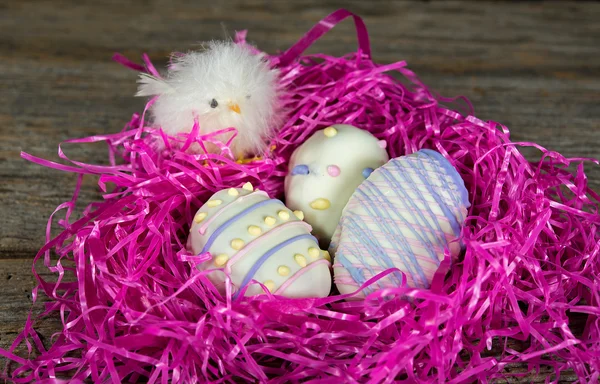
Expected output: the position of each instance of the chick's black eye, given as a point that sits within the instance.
(247, 96)
(213, 103)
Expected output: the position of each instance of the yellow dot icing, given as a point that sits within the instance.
(237, 244)
(270, 285)
(270, 221)
(213, 203)
(283, 215)
(320, 204)
(221, 260)
(314, 252)
(200, 216)
(300, 260)
(299, 215)
(326, 256)
(248, 187)
(254, 230)
(232, 192)
(283, 270)
(330, 131)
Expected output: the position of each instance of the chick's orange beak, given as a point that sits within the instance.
(234, 107)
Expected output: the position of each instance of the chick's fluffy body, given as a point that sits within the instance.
(225, 85)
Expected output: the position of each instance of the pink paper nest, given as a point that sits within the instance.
(135, 309)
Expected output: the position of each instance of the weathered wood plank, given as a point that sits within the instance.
(17, 281)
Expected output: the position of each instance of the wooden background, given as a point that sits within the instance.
(533, 66)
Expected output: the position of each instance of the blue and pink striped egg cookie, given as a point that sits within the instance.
(326, 169)
(405, 215)
(253, 237)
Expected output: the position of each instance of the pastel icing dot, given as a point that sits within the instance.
(248, 187)
(221, 260)
(314, 252)
(200, 216)
(213, 203)
(320, 204)
(237, 244)
(270, 285)
(283, 215)
(299, 215)
(333, 170)
(300, 169)
(330, 131)
(326, 256)
(270, 221)
(254, 230)
(367, 172)
(283, 270)
(232, 192)
(382, 144)
(300, 260)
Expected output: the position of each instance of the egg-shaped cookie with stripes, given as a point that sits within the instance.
(408, 214)
(253, 238)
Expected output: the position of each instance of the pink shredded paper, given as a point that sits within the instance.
(133, 307)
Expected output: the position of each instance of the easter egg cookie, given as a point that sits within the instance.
(405, 215)
(253, 237)
(326, 169)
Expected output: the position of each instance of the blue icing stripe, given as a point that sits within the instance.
(408, 200)
(381, 217)
(270, 253)
(455, 177)
(424, 173)
(358, 273)
(441, 202)
(381, 255)
(235, 218)
(418, 213)
(383, 212)
(452, 172)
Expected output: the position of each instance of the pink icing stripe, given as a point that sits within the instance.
(297, 275)
(378, 268)
(260, 240)
(415, 182)
(415, 244)
(407, 210)
(385, 281)
(345, 281)
(204, 226)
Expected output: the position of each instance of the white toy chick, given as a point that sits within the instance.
(225, 85)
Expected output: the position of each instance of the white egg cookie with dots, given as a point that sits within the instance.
(253, 237)
(326, 169)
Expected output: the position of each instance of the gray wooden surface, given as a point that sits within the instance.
(532, 66)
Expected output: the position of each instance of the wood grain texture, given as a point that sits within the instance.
(532, 66)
